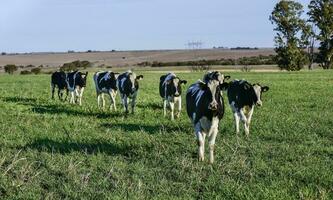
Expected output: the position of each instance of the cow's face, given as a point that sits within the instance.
(83, 79)
(258, 90)
(174, 86)
(213, 86)
(216, 76)
(133, 81)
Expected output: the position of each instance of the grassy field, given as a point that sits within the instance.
(52, 150)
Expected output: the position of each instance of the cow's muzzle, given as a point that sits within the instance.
(213, 105)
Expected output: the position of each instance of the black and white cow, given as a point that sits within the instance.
(58, 79)
(170, 91)
(128, 85)
(106, 82)
(76, 82)
(242, 97)
(205, 108)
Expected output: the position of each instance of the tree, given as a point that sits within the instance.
(10, 68)
(36, 70)
(292, 35)
(321, 14)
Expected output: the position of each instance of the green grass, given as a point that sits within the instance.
(52, 150)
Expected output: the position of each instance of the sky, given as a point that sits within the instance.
(81, 25)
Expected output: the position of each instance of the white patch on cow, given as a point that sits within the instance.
(257, 90)
(68, 85)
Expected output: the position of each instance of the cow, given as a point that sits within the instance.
(106, 82)
(128, 85)
(242, 97)
(205, 108)
(76, 82)
(58, 79)
(171, 90)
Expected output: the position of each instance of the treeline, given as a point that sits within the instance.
(296, 34)
(71, 66)
(253, 60)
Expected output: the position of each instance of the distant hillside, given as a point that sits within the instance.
(126, 58)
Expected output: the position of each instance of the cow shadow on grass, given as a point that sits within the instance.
(55, 109)
(151, 105)
(43, 107)
(150, 129)
(20, 100)
(93, 147)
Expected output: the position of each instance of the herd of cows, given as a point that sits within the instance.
(204, 100)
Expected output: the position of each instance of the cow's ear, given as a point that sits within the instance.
(183, 82)
(226, 77)
(140, 77)
(202, 85)
(224, 86)
(264, 88)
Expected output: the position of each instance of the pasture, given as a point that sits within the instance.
(53, 150)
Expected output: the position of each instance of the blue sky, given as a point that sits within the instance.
(80, 25)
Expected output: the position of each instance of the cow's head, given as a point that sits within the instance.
(258, 90)
(216, 75)
(174, 86)
(82, 79)
(133, 81)
(213, 82)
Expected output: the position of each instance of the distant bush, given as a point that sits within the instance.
(36, 70)
(200, 68)
(25, 72)
(254, 60)
(10, 68)
(75, 65)
(3, 53)
(246, 68)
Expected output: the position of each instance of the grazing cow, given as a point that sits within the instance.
(106, 82)
(170, 91)
(242, 98)
(205, 108)
(128, 84)
(76, 82)
(58, 79)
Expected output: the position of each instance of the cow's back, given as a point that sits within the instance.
(241, 93)
(162, 86)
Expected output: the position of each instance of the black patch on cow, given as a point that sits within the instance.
(167, 89)
(197, 101)
(242, 93)
(109, 83)
(59, 79)
(125, 84)
(76, 78)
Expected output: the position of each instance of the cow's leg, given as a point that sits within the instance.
(52, 90)
(179, 106)
(249, 117)
(133, 103)
(80, 96)
(112, 95)
(72, 99)
(59, 94)
(172, 108)
(236, 116)
(165, 102)
(212, 136)
(244, 120)
(125, 103)
(98, 99)
(103, 100)
(201, 141)
(66, 94)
